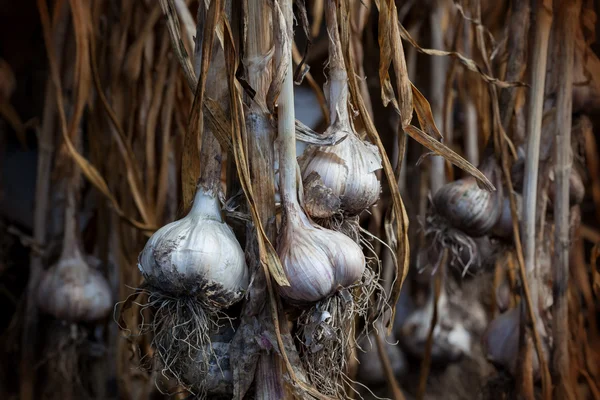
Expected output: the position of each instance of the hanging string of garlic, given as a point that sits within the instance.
(320, 264)
(195, 268)
(345, 171)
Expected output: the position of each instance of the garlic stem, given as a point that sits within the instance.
(568, 17)
(210, 153)
(286, 120)
(70, 247)
(534, 127)
(338, 77)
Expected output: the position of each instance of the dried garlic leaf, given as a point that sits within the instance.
(467, 62)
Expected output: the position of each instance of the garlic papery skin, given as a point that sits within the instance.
(72, 291)
(465, 206)
(316, 261)
(348, 169)
(197, 255)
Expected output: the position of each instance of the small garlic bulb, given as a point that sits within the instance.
(316, 261)
(348, 169)
(465, 206)
(197, 255)
(71, 290)
(501, 341)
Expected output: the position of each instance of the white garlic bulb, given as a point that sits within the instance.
(197, 255)
(316, 261)
(71, 290)
(348, 169)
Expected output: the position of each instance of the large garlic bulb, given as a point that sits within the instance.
(71, 290)
(469, 208)
(316, 261)
(197, 255)
(348, 169)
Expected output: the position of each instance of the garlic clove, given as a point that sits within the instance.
(197, 255)
(316, 261)
(72, 291)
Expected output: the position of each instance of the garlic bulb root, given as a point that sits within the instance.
(181, 331)
(326, 337)
(464, 252)
(64, 341)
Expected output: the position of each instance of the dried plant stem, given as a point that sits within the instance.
(438, 74)
(269, 382)
(517, 54)
(387, 366)
(568, 18)
(286, 125)
(210, 154)
(437, 292)
(534, 125)
(534, 128)
(46, 139)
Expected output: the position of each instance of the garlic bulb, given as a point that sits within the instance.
(316, 261)
(71, 290)
(501, 341)
(467, 207)
(197, 255)
(348, 169)
(450, 338)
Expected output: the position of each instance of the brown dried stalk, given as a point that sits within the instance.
(568, 13)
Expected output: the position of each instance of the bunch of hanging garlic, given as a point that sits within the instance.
(195, 268)
(322, 265)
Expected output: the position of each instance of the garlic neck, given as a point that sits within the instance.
(286, 125)
(70, 247)
(337, 87)
(206, 205)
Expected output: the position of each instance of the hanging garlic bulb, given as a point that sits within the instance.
(316, 261)
(501, 341)
(469, 208)
(195, 268)
(197, 255)
(450, 338)
(347, 168)
(71, 290)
